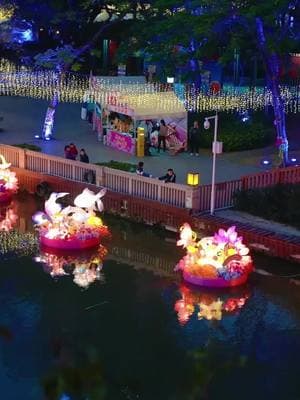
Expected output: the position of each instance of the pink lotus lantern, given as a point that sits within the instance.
(8, 181)
(221, 260)
(74, 227)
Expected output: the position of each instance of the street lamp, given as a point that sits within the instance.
(216, 149)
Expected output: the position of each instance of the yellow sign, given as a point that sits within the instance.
(140, 145)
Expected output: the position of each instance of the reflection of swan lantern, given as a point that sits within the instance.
(71, 227)
(218, 261)
(208, 304)
(8, 181)
(84, 266)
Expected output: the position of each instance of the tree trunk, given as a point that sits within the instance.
(271, 62)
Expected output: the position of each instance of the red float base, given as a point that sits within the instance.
(5, 197)
(214, 282)
(70, 244)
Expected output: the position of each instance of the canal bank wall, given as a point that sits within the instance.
(167, 216)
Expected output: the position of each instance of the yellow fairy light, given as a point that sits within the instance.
(6, 12)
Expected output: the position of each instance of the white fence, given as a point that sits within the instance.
(118, 181)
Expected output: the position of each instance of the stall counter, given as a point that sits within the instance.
(121, 141)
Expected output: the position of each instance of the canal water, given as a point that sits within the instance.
(135, 331)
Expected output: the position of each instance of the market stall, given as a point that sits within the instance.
(126, 108)
(126, 113)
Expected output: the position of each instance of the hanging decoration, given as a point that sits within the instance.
(73, 227)
(8, 181)
(221, 260)
(72, 87)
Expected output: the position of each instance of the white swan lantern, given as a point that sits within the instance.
(8, 181)
(72, 227)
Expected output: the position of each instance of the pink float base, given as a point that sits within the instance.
(5, 197)
(214, 282)
(71, 244)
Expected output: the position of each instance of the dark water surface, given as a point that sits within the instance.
(136, 332)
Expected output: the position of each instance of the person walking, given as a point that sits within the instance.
(194, 138)
(162, 134)
(169, 177)
(83, 156)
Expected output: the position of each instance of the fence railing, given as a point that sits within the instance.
(118, 181)
(272, 177)
(128, 183)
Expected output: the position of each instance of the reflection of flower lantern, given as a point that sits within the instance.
(218, 261)
(85, 266)
(208, 305)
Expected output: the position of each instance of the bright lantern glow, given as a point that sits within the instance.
(220, 260)
(71, 224)
(8, 179)
(193, 179)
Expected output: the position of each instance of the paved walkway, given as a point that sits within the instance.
(23, 118)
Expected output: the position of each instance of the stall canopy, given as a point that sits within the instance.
(143, 106)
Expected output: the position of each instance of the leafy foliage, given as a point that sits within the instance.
(267, 203)
(28, 146)
(236, 135)
(123, 166)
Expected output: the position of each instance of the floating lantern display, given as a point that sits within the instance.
(85, 266)
(8, 181)
(218, 261)
(208, 304)
(73, 227)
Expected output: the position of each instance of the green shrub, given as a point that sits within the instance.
(28, 146)
(236, 135)
(278, 203)
(123, 166)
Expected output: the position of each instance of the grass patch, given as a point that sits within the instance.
(28, 146)
(123, 166)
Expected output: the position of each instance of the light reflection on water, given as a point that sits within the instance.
(139, 333)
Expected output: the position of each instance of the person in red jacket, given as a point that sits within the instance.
(73, 151)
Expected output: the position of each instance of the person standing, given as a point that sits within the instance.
(194, 138)
(83, 156)
(73, 151)
(162, 134)
(68, 154)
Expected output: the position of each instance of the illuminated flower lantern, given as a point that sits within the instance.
(221, 260)
(73, 227)
(85, 266)
(209, 305)
(8, 181)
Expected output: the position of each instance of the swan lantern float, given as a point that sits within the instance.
(8, 181)
(221, 260)
(73, 227)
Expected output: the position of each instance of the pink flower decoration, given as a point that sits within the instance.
(230, 236)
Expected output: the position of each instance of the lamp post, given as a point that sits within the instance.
(216, 149)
